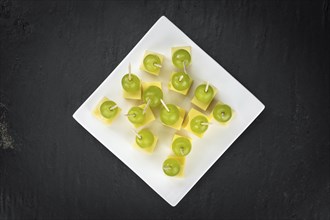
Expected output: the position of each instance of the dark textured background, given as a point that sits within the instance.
(54, 54)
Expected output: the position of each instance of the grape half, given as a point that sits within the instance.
(154, 94)
(149, 62)
(105, 109)
(181, 146)
(181, 56)
(171, 167)
(169, 117)
(183, 84)
(135, 115)
(222, 112)
(203, 96)
(197, 126)
(130, 85)
(146, 140)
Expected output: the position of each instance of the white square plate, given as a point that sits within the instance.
(206, 151)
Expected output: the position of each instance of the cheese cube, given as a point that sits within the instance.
(133, 95)
(146, 85)
(187, 48)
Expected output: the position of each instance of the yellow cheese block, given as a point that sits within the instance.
(179, 136)
(97, 113)
(203, 105)
(146, 85)
(182, 162)
(133, 95)
(222, 123)
(177, 125)
(149, 116)
(147, 149)
(183, 92)
(186, 124)
(160, 56)
(187, 48)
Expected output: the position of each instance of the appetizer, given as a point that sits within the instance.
(146, 140)
(106, 110)
(172, 115)
(181, 145)
(222, 113)
(174, 166)
(180, 82)
(131, 85)
(181, 57)
(203, 96)
(196, 123)
(152, 62)
(152, 91)
(140, 115)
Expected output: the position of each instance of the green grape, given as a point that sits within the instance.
(222, 112)
(171, 167)
(169, 117)
(197, 125)
(154, 94)
(181, 146)
(183, 84)
(150, 61)
(146, 140)
(135, 115)
(203, 96)
(106, 111)
(130, 85)
(181, 56)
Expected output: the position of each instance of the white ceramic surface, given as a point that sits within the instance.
(118, 138)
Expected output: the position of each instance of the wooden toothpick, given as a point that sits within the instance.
(165, 106)
(182, 150)
(207, 86)
(181, 77)
(147, 105)
(137, 134)
(113, 107)
(157, 65)
(129, 72)
(184, 67)
(206, 123)
(130, 114)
